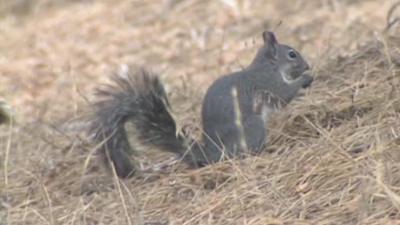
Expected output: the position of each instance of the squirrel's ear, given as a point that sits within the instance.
(270, 40)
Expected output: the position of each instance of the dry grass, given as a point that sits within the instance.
(333, 156)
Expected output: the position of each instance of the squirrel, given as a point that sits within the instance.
(234, 111)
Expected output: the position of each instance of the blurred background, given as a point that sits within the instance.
(54, 51)
(333, 154)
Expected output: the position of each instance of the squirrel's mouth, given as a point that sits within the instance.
(298, 74)
(307, 72)
(290, 77)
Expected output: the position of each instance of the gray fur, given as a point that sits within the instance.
(270, 82)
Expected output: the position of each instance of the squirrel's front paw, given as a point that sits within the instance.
(307, 80)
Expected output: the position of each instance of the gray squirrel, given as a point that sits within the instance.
(234, 112)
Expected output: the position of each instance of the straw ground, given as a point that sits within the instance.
(333, 156)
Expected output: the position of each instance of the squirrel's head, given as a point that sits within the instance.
(287, 60)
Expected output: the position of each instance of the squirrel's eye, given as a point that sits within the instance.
(292, 54)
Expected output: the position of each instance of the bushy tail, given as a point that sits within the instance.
(139, 98)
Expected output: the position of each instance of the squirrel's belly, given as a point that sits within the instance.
(265, 112)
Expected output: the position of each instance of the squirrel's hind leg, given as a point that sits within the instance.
(255, 133)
